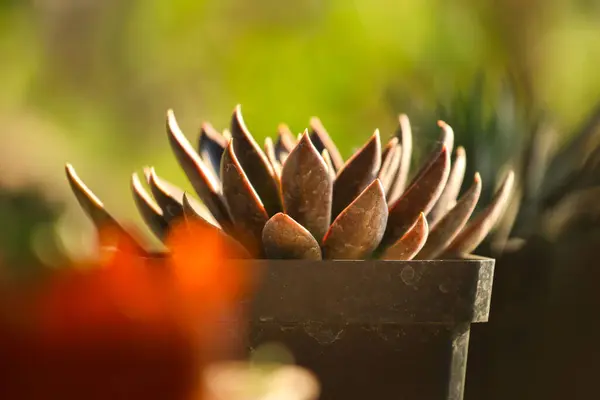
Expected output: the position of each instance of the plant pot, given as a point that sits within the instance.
(375, 329)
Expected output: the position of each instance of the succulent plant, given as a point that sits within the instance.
(297, 198)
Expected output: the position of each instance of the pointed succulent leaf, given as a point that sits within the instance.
(211, 145)
(246, 209)
(255, 164)
(322, 140)
(448, 197)
(191, 215)
(284, 238)
(447, 135)
(330, 167)
(388, 146)
(177, 193)
(476, 230)
(307, 188)
(285, 143)
(401, 179)
(442, 233)
(193, 212)
(357, 231)
(270, 153)
(410, 243)
(202, 179)
(420, 196)
(88, 201)
(150, 211)
(389, 167)
(170, 205)
(94, 208)
(446, 140)
(358, 173)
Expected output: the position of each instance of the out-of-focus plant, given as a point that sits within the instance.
(27, 219)
(556, 171)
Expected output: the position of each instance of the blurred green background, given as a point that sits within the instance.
(89, 82)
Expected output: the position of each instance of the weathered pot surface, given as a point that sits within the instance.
(375, 329)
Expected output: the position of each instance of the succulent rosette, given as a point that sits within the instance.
(297, 198)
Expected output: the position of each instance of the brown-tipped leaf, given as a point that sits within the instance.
(191, 210)
(389, 167)
(322, 140)
(476, 230)
(393, 142)
(150, 211)
(202, 179)
(358, 173)
(410, 243)
(256, 166)
(191, 215)
(307, 187)
(94, 208)
(420, 196)
(285, 143)
(246, 209)
(357, 231)
(88, 201)
(446, 141)
(270, 153)
(177, 193)
(169, 203)
(284, 238)
(448, 197)
(443, 232)
(330, 167)
(211, 145)
(401, 179)
(447, 135)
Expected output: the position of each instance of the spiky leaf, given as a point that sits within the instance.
(211, 145)
(448, 197)
(474, 233)
(285, 143)
(405, 134)
(389, 167)
(410, 243)
(322, 140)
(442, 233)
(307, 188)
(202, 179)
(255, 164)
(244, 205)
(150, 211)
(420, 196)
(358, 173)
(168, 202)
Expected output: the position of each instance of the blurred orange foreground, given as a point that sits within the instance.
(127, 326)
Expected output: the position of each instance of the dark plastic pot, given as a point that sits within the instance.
(375, 329)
